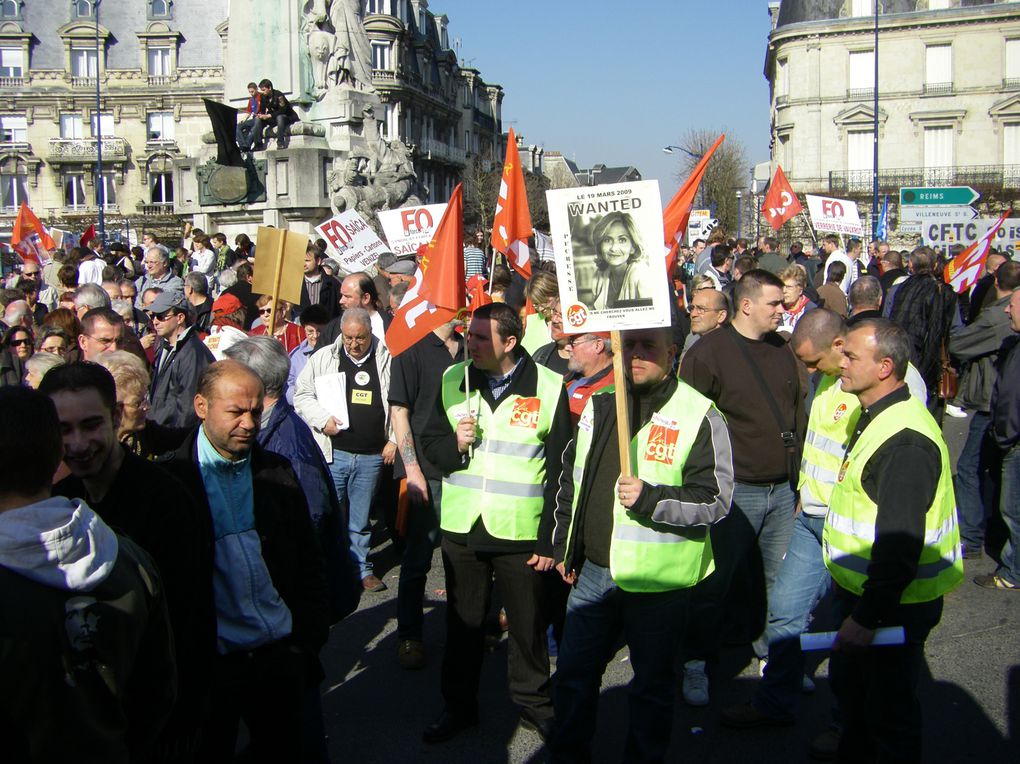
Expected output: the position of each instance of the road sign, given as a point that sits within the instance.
(910, 213)
(947, 195)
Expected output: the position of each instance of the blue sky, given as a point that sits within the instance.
(614, 82)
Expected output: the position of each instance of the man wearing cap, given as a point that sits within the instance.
(227, 325)
(401, 271)
(318, 288)
(180, 360)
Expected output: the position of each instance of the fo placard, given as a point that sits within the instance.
(609, 257)
(407, 228)
(351, 241)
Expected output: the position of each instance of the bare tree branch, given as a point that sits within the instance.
(727, 172)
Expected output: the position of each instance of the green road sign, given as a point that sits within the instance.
(948, 195)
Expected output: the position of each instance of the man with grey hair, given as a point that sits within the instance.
(17, 313)
(865, 300)
(158, 274)
(343, 395)
(89, 296)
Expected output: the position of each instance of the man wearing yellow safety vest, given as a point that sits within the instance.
(499, 444)
(892, 545)
(634, 546)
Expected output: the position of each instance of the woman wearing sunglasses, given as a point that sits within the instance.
(287, 332)
(17, 347)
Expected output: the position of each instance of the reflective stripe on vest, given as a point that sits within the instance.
(833, 417)
(850, 523)
(504, 480)
(645, 556)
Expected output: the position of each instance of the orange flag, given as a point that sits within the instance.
(477, 296)
(29, 238)
(678, 211)
(963, 271)
(511, 226)
(437, 294)
(780, 203)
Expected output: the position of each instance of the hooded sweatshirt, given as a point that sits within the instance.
(86, 658)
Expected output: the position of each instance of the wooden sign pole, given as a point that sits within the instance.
(622, 407)
(277, 274)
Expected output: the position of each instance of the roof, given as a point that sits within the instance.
(798, 11)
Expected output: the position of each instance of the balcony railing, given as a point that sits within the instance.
(84, 149)
(437, 150)
(938, 88)
(158, 208)
(1011, 83)
(982, 178)
(160, 79)
(83, 82)
(12, 82)
(860, 94)
(484, 121)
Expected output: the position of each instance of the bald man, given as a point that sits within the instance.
(268, 579)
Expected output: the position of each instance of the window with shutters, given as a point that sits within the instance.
(938, 155)
(12, 62)
(71, 126)
(861, 83)
(860, 156)
(1011, 77)
(1011, 155)
(861, 8)
(13, 130)
(938, 69)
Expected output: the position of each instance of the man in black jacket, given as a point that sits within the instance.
(180, 360)
(274, 111)
(151, 507)
(268, 578)
(319, 288)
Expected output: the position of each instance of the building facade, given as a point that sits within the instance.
(949, 96)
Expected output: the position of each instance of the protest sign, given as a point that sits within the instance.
(408, 228)
(941, 234)
(351, 241)
(834, 215)
(608, 246)
(279, 267)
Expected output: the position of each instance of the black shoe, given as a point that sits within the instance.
(448, 726)
(543, 726)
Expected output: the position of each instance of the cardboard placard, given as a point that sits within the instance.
(351, 241)
(408, 228)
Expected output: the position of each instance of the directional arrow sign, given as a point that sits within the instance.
(949, 195)
(924, 213)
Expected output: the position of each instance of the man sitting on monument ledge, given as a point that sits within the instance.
(275, 112)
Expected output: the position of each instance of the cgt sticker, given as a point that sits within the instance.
(525, 413)
(840, 411)
(661, 444)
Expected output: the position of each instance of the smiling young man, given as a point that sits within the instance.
(892, 545)
(633, 546)
(151, 507)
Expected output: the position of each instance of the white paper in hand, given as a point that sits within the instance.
(331, 392)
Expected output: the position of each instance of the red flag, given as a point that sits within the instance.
(678, 211)
(89, 235)
(511, 226)
(780, 203)
(436, 295)
(442, 264)
(963, 271)
(477, 296)
(29, 238)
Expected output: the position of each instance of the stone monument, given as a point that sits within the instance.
(317, 53)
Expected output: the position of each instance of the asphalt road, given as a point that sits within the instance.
(375, 711)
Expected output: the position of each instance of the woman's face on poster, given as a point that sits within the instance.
(616, 246)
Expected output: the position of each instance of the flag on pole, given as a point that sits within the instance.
(882, 229)
(88, 236)
(29, 238)
(477, 295)
(511, 225)
(963, 271)
(780, 203)
(436, 294)
(678, 211)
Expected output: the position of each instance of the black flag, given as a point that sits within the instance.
(224, 125)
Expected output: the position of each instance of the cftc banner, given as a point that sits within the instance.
(941, 234)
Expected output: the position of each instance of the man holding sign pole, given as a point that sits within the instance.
(633, 546)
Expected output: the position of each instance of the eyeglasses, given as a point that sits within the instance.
(141, 403)
(165, 315)
(581, 340)
(702, 309)
(265, 311)
(19, 343)
(352, 340)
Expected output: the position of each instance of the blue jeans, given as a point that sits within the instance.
(355, 477)
(420, 540)
(597, 614)
(975, 486)
(803, 580)
(1009, 506)
(762, 515)
(245, 134)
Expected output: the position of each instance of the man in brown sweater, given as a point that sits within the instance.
(753, 378)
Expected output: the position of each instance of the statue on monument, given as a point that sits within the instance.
(338, 46)
(384, 179)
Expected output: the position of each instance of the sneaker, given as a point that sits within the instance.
(808, 685)
(746, 716)
(762, 663)
(695, 684)
(411, 654)
(372, 583)
(825, 745)
(955, 411)
(994, 581)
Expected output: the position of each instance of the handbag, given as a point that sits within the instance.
(949, 381)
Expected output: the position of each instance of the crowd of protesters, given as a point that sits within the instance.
(206, 465)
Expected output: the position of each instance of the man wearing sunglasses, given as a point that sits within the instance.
(591, 369)
(180, 360)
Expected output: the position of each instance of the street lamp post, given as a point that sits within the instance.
(692, 155)
(739, 195)
(100, 195)
(874, 169)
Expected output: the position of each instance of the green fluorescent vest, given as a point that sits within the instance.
(504, 480)
(850, 523)
(645, 556)
(834, 416)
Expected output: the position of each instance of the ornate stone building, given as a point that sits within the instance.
(949, 95)
(155, 60)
